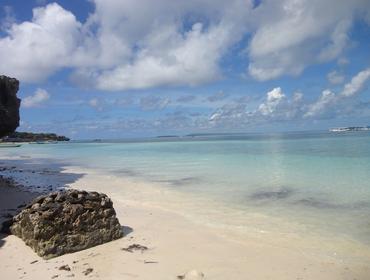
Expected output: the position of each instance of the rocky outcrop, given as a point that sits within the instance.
(67, 221)
(9, 105)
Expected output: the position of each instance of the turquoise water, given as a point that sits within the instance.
(320, 181)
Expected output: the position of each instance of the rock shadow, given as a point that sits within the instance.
(127, 172)
(181, 182)
(126, 230)
(2, 241)
(319, 203)
(272, 195)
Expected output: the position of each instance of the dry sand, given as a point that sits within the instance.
(175, 245)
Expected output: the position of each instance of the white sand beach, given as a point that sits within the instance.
(176, 245)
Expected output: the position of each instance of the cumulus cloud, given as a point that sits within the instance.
(356, 84)
(274, 98)
(277, 106)
(35, 49)
(166, 42)
(126, 44)
(162, 45)
(291, 35)
(35, 100)
(325, 101)
(329, 103)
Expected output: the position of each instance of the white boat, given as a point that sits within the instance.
(350, 128)
(45, 142)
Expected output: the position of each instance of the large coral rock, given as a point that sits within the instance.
(67, 221)
(9, 105)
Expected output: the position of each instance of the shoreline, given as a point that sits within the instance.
(176, 245)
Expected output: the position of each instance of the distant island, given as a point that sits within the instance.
(167, 136)
(350, 128)
(33, 137)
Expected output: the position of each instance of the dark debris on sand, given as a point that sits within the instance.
(65, 267)
(88, 271)
(135, 247)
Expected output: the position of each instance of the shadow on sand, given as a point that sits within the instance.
(126, 230)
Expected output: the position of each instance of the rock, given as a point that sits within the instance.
(66, 221)
(192, 275)
(9, 105)
(5, 227)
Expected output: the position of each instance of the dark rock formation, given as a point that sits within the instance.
(9, 105)
(67, 221)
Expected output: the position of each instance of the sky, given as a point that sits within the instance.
(125, 68)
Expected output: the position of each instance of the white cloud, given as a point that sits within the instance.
(292, 34)
(156, 47)
(330, 103)
(165, 43)
(277, 106)
(35, 100)
(326, 100)
(356, 84)
(335, 77)
(338, 41)
(34, 50)
(126, 44)
(274, 98)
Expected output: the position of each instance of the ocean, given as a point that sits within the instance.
(290, 184)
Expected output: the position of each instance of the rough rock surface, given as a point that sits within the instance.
(9, 105)
(67, 221)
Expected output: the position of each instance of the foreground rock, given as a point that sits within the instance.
(66, 222)
(9, 105)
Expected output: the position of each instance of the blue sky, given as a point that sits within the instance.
(123, 68)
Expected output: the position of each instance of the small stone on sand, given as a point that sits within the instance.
(192, 275)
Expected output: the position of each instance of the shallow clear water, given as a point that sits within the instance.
(319, 181)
